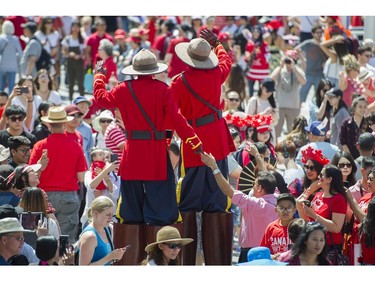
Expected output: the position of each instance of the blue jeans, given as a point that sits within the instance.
(7, 79)
(311, 80)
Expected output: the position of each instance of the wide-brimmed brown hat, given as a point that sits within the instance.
(168, 234)
(197, 53)
(145, 63)
(57, 114)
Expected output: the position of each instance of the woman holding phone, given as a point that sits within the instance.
(95, 243)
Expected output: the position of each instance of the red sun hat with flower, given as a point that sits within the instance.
(313, 154)
(261, 122)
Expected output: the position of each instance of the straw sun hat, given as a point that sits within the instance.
(57, 114)
(168, 234)
(9, 225)
(197, 53)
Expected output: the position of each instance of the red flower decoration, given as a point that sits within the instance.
(313, 154)
(261, 122)
(238, 121)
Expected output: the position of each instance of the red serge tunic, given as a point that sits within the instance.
(144, 159)
(215, 136)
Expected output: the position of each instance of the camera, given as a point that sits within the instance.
(24, 90)
(307, 203)
(287, 61)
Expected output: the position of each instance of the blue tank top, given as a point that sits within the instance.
(102, 249)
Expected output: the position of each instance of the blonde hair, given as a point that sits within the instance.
(350, 63)
(99, 204)
(86, 19)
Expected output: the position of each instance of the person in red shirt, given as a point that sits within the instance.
(276, 234)
(328, 206)
(71, 126)
(92, 43)
(148, 191)
(206, 71)
(176, 65)
(65, 170)
(98, 161)
(367, 235)
(106, 54)
(18, 29)
(161, 42)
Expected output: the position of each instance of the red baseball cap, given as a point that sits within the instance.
(134, 39)
(223, 37)
(143, 31)
(120, 34)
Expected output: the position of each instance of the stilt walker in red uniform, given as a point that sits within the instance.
(197, 92)
(148, 192)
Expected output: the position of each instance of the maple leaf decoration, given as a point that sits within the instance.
(313, 154)
(238, 121)
(261, 122)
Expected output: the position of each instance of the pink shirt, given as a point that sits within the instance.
(257, 213)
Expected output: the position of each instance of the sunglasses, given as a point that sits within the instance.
(311, 168)
(321, 175)
(105, 120)
(78, 115)
(342, 165)
(174, 246)
(288, 210)
(16, 118)
(233, 99)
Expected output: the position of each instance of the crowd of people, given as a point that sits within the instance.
(183, 140)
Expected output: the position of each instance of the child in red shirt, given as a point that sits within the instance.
(276, 234)
(97, 161)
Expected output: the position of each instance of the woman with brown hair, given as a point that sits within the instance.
(166, 248)
(44, 87)
(33, 200)
(328, 206)
(73, 48)
(50, 40)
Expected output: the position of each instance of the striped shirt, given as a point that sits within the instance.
(114, 136)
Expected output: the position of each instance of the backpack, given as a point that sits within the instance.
(44, 60)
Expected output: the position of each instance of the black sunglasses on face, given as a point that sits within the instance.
(233, 99)
(311, 168)
(342, 165)
(174, 245)
(16, 118)
(105, 120)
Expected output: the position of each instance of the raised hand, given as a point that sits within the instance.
(210, 37)
(99, 68)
